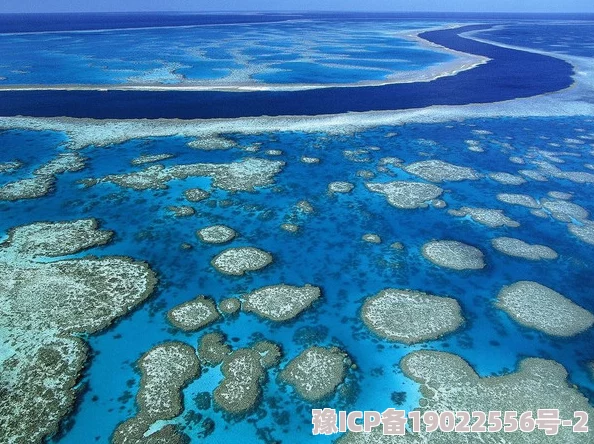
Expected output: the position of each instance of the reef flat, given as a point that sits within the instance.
(447, 382)
(453, 254)
(519, 248)
(244, 372)
(165, 370)
(44, 178)
(410, 316)
(316, 372)
(280, 302)
(237, 261)
(216, 234)
(440, 171)
(244, 175)
(536, 306)
(45, 307)
(407, 195)
(194, 314)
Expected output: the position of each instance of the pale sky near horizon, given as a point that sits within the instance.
(298, 5)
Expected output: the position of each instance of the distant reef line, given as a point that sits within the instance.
(508, 74)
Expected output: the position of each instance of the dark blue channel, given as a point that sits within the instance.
(510, 74)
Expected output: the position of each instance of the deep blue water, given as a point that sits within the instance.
(326, 252)
(560, 37)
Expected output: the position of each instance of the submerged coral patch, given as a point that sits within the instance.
(406, 195)
(196, 194)
(372, 238)
(212, 143)
(216, 234)
(440, 171)
(165, 370)
(486, 216)
(507, 178)
(229, 306)
(410, 316)
(212, 349)
(9, 167)
(519, 248)
(584, 232)
(536, 306)
(51, 239)
(150, 158)
(44, 305)
(448, 383)
(280, 302)
(518, 199)
(316, 372)
(454, 254)
(240, 389)
(564, 211)
(340, 187)
(194, 315)
(181, 211)
(244, 175)
(239, 260)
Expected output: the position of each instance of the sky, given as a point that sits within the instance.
(298, 5)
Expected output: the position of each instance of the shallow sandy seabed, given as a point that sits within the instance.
(449, 383)
(239, 260)
(316, 372)
(165, 370)
(216, 234)
(280, 302)
(194, 315)
(486, 216)
(44, 305)
(519, 248)
(453, 254)
(440, 171)
(406, 195)
(410, 316)
(536, 306)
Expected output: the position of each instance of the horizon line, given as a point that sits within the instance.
(315, 11)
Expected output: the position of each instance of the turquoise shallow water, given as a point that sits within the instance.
(242, 53)
(327, 252)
